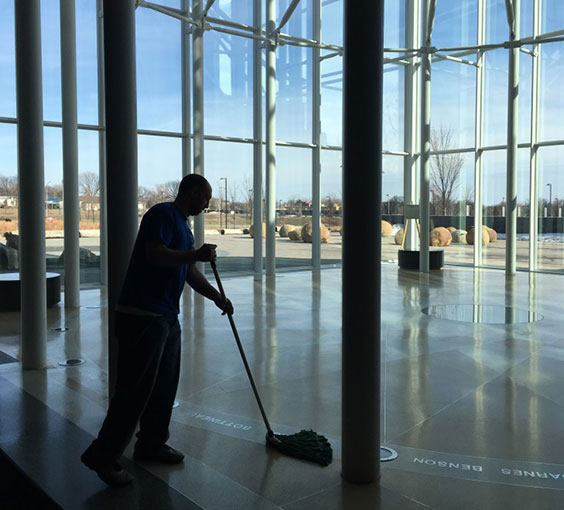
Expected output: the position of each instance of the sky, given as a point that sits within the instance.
(228, 96)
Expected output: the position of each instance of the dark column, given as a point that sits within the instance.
(362, 169)
(31, 182)
(121, 151)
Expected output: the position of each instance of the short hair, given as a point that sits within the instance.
(190, 182)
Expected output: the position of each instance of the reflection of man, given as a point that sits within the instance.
(148, 333)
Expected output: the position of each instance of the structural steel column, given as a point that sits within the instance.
(316, 140)
(270, 138)
(102, 145)
(362, 184)
(534, 163)
(411, 124)
(185, 31)
(478, 132)
(257, 135)
(121, 140)
(70, 154)
(428, 18)
(198, 112)
(512, 132)
(31, 183)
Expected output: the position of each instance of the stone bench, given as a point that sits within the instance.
(10, 290)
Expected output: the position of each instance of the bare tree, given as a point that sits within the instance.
(89, 184)
(9, 186)
(445, 170)
(168, 190)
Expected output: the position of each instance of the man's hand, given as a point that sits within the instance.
(224, 305)
(206, 253)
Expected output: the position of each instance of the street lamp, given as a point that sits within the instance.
(388, 200)
(224, 179)
(549, 199)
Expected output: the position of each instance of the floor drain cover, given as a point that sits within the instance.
(71, 362)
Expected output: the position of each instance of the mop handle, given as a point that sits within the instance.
(241, 351)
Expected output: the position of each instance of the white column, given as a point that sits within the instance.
(270, 140)
(198, 113)
(70, 154)
(512, 131)
(257, 135)
(185, 30)
(31, 183)
(534, 160)
(411, 120)
(316, 141)
(478, 134)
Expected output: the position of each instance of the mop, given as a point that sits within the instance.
(306, 444)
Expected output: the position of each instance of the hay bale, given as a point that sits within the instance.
(387, 228)
(295, 235)
(307, 231)
(459, 236)
(493, 234)
(285, 229)
(485, 236)
(398, 239)
(251, 230)
(440, 236)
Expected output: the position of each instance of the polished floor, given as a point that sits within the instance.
(474, 406)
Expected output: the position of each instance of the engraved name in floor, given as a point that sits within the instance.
(480, 469)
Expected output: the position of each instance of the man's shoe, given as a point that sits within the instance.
(164, 454)
(109, 471)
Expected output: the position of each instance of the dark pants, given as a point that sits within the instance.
(148, 370)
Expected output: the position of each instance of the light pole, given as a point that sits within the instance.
(388, 201)
(225, 179)
(549, 199)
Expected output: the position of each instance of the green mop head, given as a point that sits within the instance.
(306, 444)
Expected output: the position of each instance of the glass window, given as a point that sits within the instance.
(159, 85)
(552, 15)
(551, 99)
(293, 101)
(332, 101)
(332, 26)
(87, 64)
(495, 98)
(455, 24)
(8, 60)
(394, 24)
(550, 209)
(300, 23)
(494, 185)
(497, 28)
(160, 163)
(452, 202)
(240, 11)
(392, 204)
(332, 202)
(293, 202)
(229, 169)
(51, 60)
(453, 99)
(393, 129)
(228, 100)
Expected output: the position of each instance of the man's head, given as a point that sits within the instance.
(194, 194)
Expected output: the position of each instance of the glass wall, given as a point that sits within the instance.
(228, 124)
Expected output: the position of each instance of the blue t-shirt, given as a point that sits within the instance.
(153, 288)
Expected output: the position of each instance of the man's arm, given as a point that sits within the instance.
(200, 284)
(159, 254)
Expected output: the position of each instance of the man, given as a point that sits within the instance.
(148, 333)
